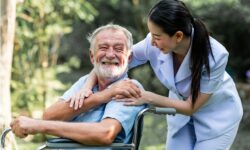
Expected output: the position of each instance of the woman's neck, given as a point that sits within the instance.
(180, 53)
(182, 49)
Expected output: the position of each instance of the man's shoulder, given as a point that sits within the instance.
(137, 83)
(83, 78)
(81, 81)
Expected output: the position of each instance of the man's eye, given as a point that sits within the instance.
(103, 48)
(120, 50)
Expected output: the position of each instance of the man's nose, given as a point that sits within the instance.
(110, 53)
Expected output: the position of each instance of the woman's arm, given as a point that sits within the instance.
(182, 107)
(61, 110)
(76, 101)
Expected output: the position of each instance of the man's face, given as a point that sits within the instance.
(110, 57)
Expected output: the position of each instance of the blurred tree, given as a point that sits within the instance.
(51, 46)
(7, 28)
(231, 27)
(41, 25)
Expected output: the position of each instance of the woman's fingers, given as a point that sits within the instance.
(76, 101)
(72, 101)
(131, 101)
(136, 91)
(128, 101)
(117, 97)
(81, 99)
(88, 93)
(127, 88)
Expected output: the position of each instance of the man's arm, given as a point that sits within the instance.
(102, 133)
(61, 110)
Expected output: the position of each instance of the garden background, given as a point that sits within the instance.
(49, 51)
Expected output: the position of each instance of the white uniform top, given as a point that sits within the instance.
(222, 111)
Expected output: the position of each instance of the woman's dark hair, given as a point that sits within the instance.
(173, 16)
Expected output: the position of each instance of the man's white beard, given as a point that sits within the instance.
(112, 72)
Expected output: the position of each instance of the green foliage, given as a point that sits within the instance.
(154, 132)
(41, 24)
(51, 50)
(228, 20)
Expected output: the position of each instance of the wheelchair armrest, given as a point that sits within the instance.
(163, 110)
(68, 143)
(60, 140)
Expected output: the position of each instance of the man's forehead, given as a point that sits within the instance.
(111, 36)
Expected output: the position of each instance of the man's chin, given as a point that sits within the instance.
(110, 76)
(110, 73)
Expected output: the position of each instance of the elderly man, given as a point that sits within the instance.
(100, 120)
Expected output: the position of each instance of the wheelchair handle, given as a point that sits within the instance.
(5, 132)
(163, 110)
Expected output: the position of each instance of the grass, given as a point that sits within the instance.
(24, 144)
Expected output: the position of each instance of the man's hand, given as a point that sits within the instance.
(22, 126)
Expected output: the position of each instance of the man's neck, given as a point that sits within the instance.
(105, 82)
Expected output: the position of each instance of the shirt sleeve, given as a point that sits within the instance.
(140, 52)
(209, 84)
(74, 88)
(126, 115)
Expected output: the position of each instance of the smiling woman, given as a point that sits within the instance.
(162, 40)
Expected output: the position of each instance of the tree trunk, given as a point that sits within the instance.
(7, 28)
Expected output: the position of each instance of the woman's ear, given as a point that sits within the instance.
(179, 36)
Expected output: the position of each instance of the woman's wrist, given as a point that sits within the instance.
(145, 95)
(109, 93)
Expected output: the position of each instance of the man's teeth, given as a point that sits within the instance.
(110, 63)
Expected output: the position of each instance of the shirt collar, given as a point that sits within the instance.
(123, 76)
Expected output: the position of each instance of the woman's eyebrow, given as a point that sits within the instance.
(156, 34)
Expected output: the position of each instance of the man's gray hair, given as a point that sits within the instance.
(92, 37)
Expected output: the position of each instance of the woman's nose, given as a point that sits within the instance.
(153, 42)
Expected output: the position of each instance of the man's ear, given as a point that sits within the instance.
(130, 57)
(179, 36)
(91, 56)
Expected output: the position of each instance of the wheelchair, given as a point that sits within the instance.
(62, 143)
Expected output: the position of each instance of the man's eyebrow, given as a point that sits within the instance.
(119, 44)
(103, 44)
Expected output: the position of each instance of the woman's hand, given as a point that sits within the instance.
(135, 101)
(125, 89)
(76, 101)
(132, 101)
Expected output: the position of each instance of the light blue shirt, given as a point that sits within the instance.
(221, 113)
(116, 110)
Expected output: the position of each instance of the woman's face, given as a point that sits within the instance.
(160, 39)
